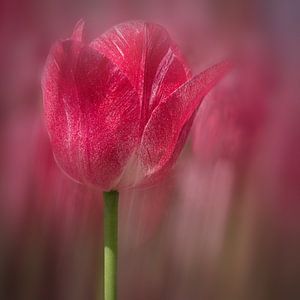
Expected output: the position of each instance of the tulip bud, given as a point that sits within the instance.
(118, 110)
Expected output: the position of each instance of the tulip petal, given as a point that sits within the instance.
(123, 45)
(78, 31)
(91, 113)
(148, 57)
(167, 129)
(170, 75)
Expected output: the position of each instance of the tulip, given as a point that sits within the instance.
(118, 110)
(229, 124)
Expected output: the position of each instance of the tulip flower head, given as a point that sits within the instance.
(118, 110)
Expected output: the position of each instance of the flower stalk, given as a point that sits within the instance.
(110, 244)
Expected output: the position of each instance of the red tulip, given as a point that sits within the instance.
(230, 121)
(118, 110)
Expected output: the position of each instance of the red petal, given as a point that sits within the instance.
(123, 45)
(170, 75)
(167, 129)
(78, 31)
(146, 54)
(91, 113)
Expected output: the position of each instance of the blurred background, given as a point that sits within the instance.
(224, 225)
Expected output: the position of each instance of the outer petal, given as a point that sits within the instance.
(170, 75)
(146, 54)
(167, 129)
(78, 32)
(91, 114)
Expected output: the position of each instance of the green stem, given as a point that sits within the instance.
(110, 244)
